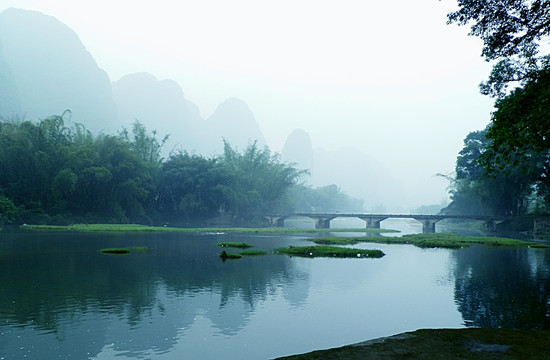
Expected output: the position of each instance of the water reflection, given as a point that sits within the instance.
(59, 297)
(73, 298)
(503, 288)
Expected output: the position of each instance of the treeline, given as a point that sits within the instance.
(505, 168)
(54, 173)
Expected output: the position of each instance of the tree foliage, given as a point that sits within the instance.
(520, 135)
(473, 191)
(259, 178)
(511, 31)
(324, 199)
(49, 169)
(53, 171)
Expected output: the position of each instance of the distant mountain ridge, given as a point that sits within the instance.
(45, 69)
(358, 174)
(52, 71)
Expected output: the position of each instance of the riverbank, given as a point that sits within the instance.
(444, 344)
(436, 240)
(135, 227)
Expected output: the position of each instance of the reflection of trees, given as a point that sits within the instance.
(76, 294)
(190, 268)
(500, 288)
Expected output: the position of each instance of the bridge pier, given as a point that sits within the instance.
(322, 223)
(428, 224)
(276, 221)
(373, 222)
(490, 226)
(493, 225)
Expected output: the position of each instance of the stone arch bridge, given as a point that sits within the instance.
(322, 221)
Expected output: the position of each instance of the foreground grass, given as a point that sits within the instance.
(445, 344)
(134, 227)
(438, 240)
(329, 251)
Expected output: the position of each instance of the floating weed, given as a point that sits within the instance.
(225, 255)
(437, 240)
(330, 251)
(122, 251)
(241, 245)
(117, 251)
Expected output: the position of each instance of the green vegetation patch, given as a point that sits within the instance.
(119, 251)
(252, 253)
(122, 251)
(437, 240)
(225, 255)
(330, 251)
(99, 227)
(443, 344)
(241, 245)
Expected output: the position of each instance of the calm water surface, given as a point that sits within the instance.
(61, 298)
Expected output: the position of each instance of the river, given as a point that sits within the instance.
(61, 298)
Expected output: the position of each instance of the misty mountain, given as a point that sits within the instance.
(9, 100)
(234, 121)
(52, 71)
(161, 106)
(298, 149)
(45, 69)
(357, 174)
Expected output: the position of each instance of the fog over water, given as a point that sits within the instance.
(388, 80)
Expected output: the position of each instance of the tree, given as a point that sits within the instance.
(144, 144)
(259, 179)
(511, 31)
(474, 192)
(192, 187)
(8, 211)
(520, 134)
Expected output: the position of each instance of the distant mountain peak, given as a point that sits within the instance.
(53, 71)
(234, 121)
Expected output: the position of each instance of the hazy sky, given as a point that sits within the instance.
(387, 77)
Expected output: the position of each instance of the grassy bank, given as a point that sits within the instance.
(438, 240)
(134, 227)
(329, 251)
(444, 344)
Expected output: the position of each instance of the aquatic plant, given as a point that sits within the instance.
(330, 251)
(437, 240)
(225, 255)
(124, 250)
(242, 245)
(115, 251)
